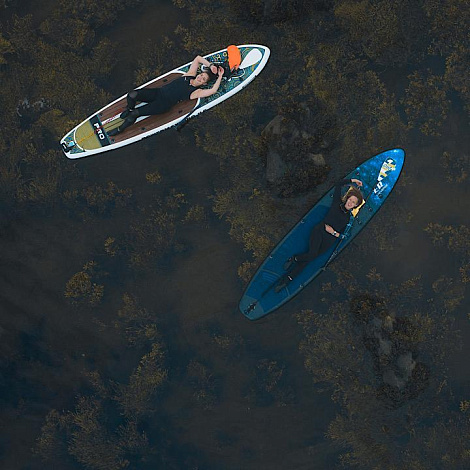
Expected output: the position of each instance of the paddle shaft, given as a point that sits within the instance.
(185, 120)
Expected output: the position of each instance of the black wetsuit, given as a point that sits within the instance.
(159, 100)
(320, 240)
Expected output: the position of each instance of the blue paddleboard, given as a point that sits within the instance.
(379, 175)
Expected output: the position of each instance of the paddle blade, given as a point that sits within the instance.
(252, 58)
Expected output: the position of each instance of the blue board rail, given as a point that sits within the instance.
(379, 175)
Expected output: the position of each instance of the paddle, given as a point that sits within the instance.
(253, 57)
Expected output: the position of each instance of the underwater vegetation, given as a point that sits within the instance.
(109, 374)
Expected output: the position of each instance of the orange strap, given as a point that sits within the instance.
(234, 57)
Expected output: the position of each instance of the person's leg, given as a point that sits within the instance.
(147, 95)
(132, 100)
(130, 119)
(155, 106)
(152, 108)
(299, 262)
(320, 241)
(316, 240)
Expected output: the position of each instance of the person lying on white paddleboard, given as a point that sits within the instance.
(161, 100)
(325, 234)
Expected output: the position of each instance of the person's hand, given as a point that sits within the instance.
(358, 182)
(220, 71)
(329, 229)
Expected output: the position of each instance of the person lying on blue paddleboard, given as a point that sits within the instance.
(325, 234)
(161, 100)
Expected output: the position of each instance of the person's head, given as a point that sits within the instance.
(353, 198)
(205, 77)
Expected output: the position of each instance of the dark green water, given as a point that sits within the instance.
(47, 345)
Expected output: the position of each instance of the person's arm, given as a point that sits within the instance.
(210, 91)
(198, 60)
(337, 193)
(340, 184)
(356, 181)
(332, 231)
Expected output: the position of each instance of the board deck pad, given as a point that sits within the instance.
(379, 175)
(91, 136)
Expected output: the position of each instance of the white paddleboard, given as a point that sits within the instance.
(91, 136)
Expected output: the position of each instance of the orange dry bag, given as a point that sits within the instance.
(234, 57)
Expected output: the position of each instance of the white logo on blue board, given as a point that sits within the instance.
(387, 166)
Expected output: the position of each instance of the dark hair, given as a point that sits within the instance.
(354, 192)
(212, 75)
